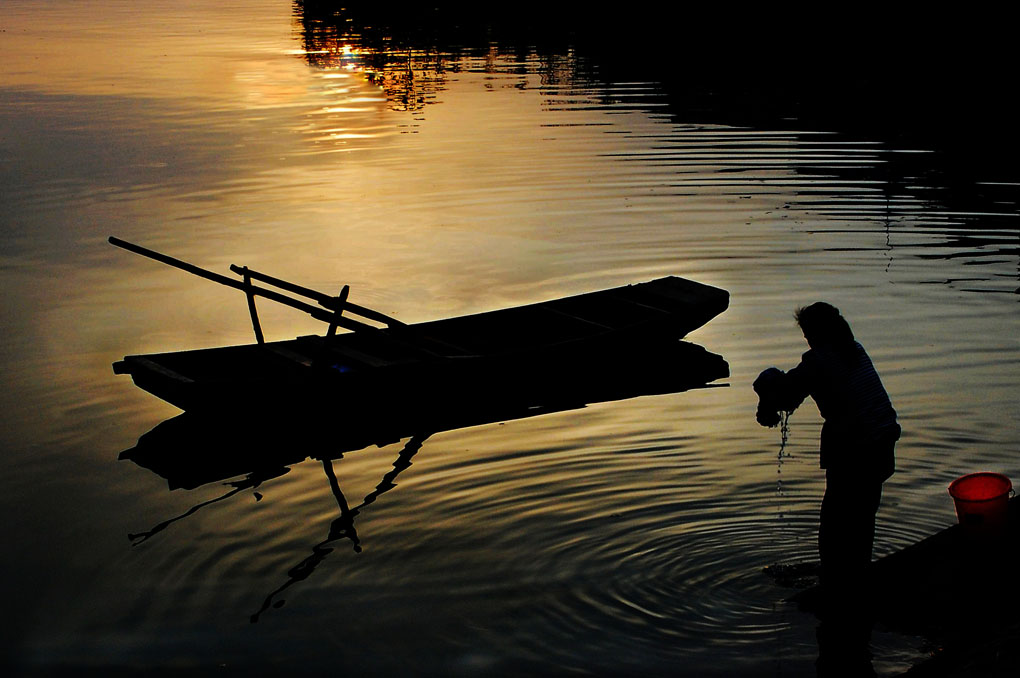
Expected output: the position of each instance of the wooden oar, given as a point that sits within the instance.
(326, 316)
(323, 299)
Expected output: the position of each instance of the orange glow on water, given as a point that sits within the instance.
(437, 184)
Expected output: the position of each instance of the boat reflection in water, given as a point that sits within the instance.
(202, 447)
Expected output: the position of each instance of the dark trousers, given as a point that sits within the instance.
(846, 534)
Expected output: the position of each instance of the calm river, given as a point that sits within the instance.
(623, 538)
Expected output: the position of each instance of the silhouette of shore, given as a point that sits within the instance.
(951, 588)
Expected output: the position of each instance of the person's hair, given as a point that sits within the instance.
(823, 325)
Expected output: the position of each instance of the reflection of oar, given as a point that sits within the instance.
(343, 526)
(403, 461)
(299, 572)
(251, 482)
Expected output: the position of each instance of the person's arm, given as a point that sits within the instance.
(796, 386)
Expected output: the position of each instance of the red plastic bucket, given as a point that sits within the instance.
(982, 500)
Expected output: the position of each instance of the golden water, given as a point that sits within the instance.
(623, 537)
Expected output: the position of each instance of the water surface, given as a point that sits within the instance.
(436, 180)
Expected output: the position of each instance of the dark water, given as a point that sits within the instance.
(445, 168)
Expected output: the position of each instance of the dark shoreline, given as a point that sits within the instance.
(949, 589)
(939, 83)
(952, 588)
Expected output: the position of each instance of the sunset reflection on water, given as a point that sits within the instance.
(439, 180)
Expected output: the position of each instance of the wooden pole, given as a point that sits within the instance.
(314, 311)
(331, 332)
(321, 298)
(256, 325)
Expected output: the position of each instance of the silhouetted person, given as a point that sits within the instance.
(856, 451)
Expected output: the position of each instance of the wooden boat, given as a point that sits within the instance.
(384, 362)
(200, 447)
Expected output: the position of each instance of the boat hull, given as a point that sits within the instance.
(511, 350)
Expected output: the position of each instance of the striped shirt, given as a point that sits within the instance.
(860, 421)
